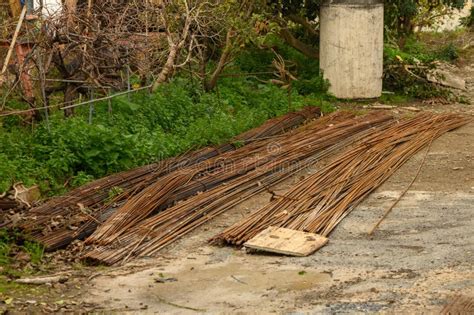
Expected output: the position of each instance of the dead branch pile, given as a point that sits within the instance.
(322, 200)
(98, 47)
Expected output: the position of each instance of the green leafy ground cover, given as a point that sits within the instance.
(65, 153)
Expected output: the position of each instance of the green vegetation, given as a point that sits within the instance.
(6, 240)
(12, 243)
(18, 257)
(34, 250)
(179, 116)
(405, 69)
(402, 17)
(394, 98)
(403, 75)
(416, 49)
(4, 253)
(468, 21)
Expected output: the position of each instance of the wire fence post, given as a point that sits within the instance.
(91, 105)
(43, 90)
(129, 87)
(46, 115)
(109, 109)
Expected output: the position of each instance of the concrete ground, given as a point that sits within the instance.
(419, 260)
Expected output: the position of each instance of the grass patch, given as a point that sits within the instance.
(4, 253)
(8, 287)
(14, 244)
(34, 250)
(451, 45)
(395, 99)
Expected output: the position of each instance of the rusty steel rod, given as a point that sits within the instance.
(322, 200)
(297, 150)
(93, 198)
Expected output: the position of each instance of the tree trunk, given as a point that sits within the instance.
(70, 6)
(305, 49)
(167, 68)
(223, 60)
(70, 94)
(15, 8)
(175, 48)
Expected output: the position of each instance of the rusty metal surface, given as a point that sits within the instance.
(264, 168)
(322, 200)
(86, 207)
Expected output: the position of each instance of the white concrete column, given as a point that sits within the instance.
(351, 47)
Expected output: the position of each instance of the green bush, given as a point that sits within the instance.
(13, 242)
(310, 80)
(6, 242)
(448, 52)
(405, 71)
(4, 254)
(178, 117)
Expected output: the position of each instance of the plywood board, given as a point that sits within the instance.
(287, 241)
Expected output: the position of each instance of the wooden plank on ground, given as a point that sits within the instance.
(287, 241)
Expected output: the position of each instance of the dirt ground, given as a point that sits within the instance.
(418, 261)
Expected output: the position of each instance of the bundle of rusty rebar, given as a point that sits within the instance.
(322, 200)
(252, 171)
(76, 215)
(212, 172)
(190, 180)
